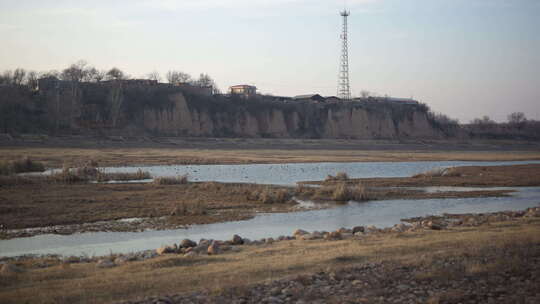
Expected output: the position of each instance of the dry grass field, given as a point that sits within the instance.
(57, 157)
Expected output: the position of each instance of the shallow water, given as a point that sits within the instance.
(378, 213)
(289, 174)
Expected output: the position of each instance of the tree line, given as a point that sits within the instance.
(81, 71)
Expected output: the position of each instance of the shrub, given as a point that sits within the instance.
(270, 196)
(167, 180)
(341, 193)
(340, 176)
(21, 166)
(120, 176)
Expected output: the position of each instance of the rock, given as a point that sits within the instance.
(247, 241)
(214, 248)
(205, 242)
(371, 229)
(299, 232)
(190, 254)
(201, 248)
(358, 229)
(344, 230)
(105, 263)
(121, 260)
(166, 249)
(8, 269)
(237, 240)
(269, 241)
(72, 259)
(334, 235)
(187, 243)
(400, 227)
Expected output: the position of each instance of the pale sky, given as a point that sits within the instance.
(464, 58)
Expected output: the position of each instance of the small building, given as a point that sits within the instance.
(243, 90)
(310, 97)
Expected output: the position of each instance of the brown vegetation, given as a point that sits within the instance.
(46, 204)
(255, 151)
(171, 180)
(20, 166)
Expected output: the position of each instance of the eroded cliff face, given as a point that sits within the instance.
(183, 117)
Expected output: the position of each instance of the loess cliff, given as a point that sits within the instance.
(170, 111)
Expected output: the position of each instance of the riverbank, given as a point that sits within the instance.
(491, 258)
(54, 152)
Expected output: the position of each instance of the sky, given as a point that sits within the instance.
(464, 58)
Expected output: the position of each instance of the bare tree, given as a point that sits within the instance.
(76, 72)
(206, 81)
(517, 118)
(115, 74)
(485, 120)
(32, 80)
(19, 76)
(177, 77)
(51, 73)
(365, 94)
(154, 76)
(6, 77)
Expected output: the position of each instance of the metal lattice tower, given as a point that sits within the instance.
(344, 90)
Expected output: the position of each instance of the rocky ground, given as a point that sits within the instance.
(388, 283)
(494, 275)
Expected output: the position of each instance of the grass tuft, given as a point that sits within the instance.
(167, 180)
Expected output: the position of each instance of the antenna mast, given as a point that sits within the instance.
(344, 90)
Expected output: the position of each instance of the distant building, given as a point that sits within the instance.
(310, 97)
(132, 82)
(243, 90)
(400, 100)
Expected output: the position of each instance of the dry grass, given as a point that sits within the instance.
(338, 192)
(120, 156)
(270, 195)
(57, 203)
(176, 180)
(20, 166)
(343, 192)
(172, 274)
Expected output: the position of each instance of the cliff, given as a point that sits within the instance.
(293, 119)
(164, 110)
